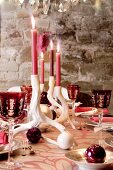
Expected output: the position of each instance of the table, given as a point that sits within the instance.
(50, 157)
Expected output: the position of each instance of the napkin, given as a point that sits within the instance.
(105, 119)
(3, 137)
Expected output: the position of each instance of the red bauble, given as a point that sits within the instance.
(33, 135)
(95, 154)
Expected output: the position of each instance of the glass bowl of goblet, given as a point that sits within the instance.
(73, 92)
(11, 111)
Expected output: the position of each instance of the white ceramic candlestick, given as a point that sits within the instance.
(41, 87)
(65, 109)
(36, 116)
(65, 140)
(50, 93)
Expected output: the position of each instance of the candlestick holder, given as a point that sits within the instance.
(50, 94)
(41, 87)
(36, 118)
(63, 107)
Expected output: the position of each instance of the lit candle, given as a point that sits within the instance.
(42, 68)
(34, 48)
(51, 59)
(58, 65)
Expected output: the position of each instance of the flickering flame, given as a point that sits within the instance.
(42, 55)
(33, 22)
(51, 45)
(58, 47)
(98, 4)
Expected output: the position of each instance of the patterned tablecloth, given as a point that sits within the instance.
(50, 157)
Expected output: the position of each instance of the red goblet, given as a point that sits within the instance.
(73, 91)
(101, 100)
(11, 107)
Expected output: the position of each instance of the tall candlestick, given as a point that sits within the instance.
(58, 66)
(42, 68)
(51, 59)
(34, 48)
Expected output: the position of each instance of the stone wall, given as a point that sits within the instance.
(86, 43)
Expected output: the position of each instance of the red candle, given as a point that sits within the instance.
(42, 68)
(58, 66)
(51, 59)
(34, 48)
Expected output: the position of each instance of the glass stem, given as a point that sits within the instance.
(10, 140)
(100, 116)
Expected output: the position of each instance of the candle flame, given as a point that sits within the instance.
(58, 47)
(42, 55)
(33, 22)
(98, 4)
(51, 44)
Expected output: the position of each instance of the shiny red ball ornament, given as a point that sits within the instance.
(95, 154)
(33, 135)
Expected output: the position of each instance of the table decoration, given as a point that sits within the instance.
(11, 107)
(42, 72)
(63, 106)
(54, 103)
(33, 135)
(34, 47)
(36, 116)
(78, 157)
(100, 100)
(95, 154)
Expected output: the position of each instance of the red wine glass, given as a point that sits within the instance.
(101, 100)
(11, 111)
(73, 91)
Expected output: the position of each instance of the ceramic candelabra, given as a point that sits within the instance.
(63, 107)
(41, 87)
(36, 118)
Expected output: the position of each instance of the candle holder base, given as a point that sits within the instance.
(37, 118)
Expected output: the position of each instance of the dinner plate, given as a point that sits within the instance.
(4, 148)
(109, 141)
(78, 157)
(106, 125)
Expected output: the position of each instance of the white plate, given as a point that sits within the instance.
(15, 146)
(78, 157)
(106, 126)
(109, 141)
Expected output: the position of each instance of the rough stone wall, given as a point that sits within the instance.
(86, 43)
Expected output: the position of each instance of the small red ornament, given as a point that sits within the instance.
(33, 135)
(95, 154)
